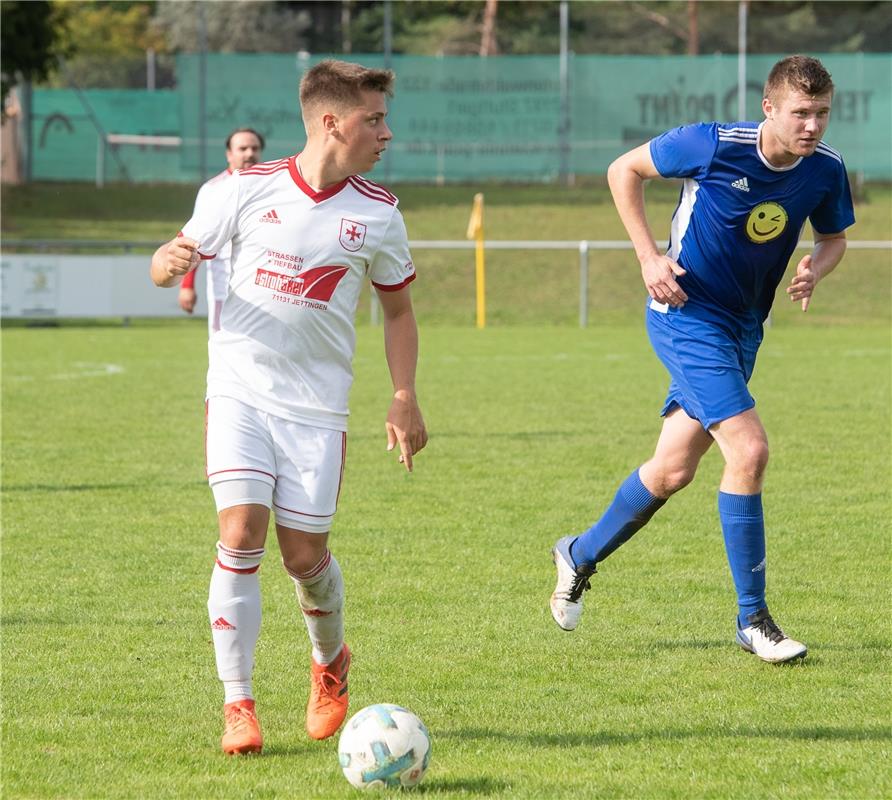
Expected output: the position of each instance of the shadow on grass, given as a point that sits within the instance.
(609, 739)
(689, 644)
(102, 322)
(813, 659)
(848, 647)
(479, 785)
(96, 487)
(77, 487)
(288, 750)
(475, 436)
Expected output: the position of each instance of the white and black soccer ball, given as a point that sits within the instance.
(384, 745)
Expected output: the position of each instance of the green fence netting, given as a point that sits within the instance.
(454, 118)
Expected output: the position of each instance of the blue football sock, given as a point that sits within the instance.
(631, 510)
(744, 529)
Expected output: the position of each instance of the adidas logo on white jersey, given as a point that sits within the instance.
(271, 216)
(741, 184)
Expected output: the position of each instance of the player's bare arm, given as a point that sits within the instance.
(626, 177)
(173, 260)
(828, 252)
(404, 425)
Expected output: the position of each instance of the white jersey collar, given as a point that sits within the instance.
(764, 160)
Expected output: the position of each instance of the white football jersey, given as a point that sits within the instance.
(299, 258)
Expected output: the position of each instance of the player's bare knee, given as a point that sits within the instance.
(241, 532)
(677, 479)
(754, 457)
(301, 550)
(303, 561)
(749, 461)
(243, 512)
(664, 479)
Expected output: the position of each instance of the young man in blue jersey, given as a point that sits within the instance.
(748, 189)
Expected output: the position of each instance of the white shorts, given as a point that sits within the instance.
(295, 469)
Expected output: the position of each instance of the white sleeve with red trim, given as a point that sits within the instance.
(392, 267)
(201, 197)
(214, 218)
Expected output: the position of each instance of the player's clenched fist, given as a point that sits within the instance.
(659, 273)
(182, 256)
(173, 260)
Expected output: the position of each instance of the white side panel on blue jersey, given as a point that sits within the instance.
(682, 217)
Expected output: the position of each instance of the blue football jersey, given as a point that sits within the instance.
(739, 218)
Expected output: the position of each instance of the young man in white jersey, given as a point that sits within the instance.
(305, 232)
(244, 146)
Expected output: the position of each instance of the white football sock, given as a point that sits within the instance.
(234, 608)
(320, 593)
(237, 690)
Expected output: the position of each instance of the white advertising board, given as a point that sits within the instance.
(46, 286)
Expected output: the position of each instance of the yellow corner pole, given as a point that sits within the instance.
(475, 232)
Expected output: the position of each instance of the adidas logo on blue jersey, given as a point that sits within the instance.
(741, 184)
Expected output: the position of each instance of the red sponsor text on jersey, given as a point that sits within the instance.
(317, 283)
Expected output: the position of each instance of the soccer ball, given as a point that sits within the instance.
(384, 745)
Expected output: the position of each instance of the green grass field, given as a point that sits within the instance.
(108, 682)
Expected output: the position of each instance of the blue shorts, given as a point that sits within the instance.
(710, 362)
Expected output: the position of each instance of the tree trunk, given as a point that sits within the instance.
(346, 40)
(693, 32)
(488, 45)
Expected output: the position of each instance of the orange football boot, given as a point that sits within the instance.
(242, 734)
(328, 696)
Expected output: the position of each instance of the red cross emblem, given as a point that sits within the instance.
(352, 236)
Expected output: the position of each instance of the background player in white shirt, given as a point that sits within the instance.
(244, 146)
(305, 231)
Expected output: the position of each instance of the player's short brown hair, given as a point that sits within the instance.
(341, 82)
(800, 73)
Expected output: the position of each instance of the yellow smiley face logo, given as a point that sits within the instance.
(766, 222)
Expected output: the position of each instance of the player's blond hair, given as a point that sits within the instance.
(340, 83)
(800, 73)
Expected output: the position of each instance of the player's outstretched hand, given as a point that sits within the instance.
(181, 256)
(405, 426)
(187, 299)
(659, 273)
(803, 283)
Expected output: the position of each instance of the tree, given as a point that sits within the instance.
(488, 39)
(439, 27)
(32, 40)
(112, 29)
(631, 27)
(110, 40)
(252, 26)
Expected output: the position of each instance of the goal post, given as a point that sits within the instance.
(121, 141)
